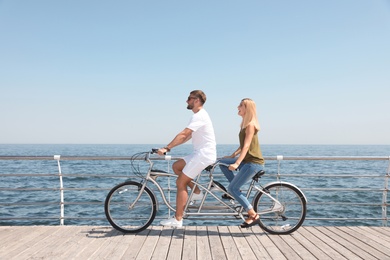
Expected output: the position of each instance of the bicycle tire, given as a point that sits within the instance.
(116, 207)
(292, 213)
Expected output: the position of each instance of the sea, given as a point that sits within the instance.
(339, 192)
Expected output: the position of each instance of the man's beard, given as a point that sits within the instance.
(189, 107)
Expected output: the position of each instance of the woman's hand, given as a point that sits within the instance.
(233, 166)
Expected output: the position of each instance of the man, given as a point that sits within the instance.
(200, 129)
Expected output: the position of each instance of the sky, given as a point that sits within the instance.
(120, 72)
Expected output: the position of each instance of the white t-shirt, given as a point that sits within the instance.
(203, 137)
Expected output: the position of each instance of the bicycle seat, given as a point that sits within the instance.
(156, 171)
(258, 175)
(208, 168)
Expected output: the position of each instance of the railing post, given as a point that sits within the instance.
(169, 158)
(279, 158)
(57, 157)
(384, 198)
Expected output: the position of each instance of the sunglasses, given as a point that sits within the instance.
(189, 98)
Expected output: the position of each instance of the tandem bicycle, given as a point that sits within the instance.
(131, 206)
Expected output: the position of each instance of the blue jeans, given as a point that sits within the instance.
(245, 173)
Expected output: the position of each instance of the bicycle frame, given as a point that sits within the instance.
(236, 210)
(132, 206)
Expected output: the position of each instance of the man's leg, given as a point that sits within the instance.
(182, 194)
(178, 167)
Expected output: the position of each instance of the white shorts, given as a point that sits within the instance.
(196, 163)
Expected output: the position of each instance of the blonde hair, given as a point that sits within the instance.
(250, 114)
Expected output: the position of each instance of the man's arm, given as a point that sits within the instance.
(179, 139)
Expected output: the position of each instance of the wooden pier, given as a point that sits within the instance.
(193, 242)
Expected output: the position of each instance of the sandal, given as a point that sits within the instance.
(227, 197)
(255, 221)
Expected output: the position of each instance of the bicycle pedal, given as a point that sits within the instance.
(175, 227)
(195, 202)
(213, 188)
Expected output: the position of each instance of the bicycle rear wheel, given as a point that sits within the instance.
(125, 219)
(286, 217)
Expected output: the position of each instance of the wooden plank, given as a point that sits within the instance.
(216, 247)
(228, 243)
(340, 245)
(83, 238)
(114, 239)
(318, 247)
(24, 243)
(288, 252)
(136, 245)
(257, 248)
(368, 241)
(322, 242)
(293, 240)
(203, 243)
(381, 232)
(354, 245)
(6, 231)
(242, 244)
(189, 243)
(59, 247)
(127, 240)
(74, 242)
(100, 237)
(31, 241)
(8, 234)
(268, 244)
(337, 251)
(149, 245)
(384, 230)
(175, 249)
(9, 237)
(162, 247)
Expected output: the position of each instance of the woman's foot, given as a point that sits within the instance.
(251, 221)
(226, 196)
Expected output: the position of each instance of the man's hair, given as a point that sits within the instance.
(199, 94)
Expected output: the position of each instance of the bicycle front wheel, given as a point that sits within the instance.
(284, 217)
(122, 216)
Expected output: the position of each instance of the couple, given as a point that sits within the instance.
(247, 158)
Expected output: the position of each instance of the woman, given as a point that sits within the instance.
(247, 159)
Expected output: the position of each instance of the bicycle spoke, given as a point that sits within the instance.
(124, 218)
(283, 217)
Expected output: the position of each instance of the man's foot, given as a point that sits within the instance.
(172, 222)
(197, 197)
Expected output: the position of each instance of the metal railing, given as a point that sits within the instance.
(377, 182)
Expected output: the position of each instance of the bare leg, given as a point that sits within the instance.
(178, 167)
(252, 216)
(182, 195)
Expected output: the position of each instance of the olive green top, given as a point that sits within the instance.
(254, 154)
